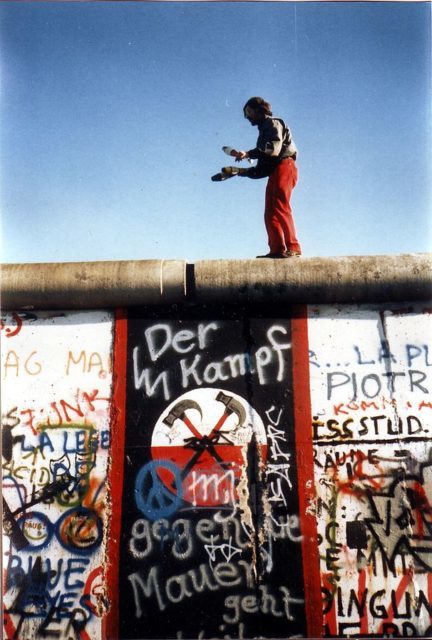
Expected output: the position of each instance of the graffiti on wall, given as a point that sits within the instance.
(212, 541)
(56, 401)
(210, 510)
(371, 387)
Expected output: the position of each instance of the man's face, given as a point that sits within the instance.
(253, 115)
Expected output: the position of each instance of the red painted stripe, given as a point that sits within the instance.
(329, 618)
(115, 474)
(305, 471)
(362, 580)
(9, 627)
(429, 582)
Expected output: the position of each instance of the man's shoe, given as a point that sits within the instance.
(283, 254)
(275, 256)
(219, 177)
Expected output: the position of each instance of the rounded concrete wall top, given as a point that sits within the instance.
(93, 285)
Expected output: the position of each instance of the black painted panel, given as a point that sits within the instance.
(210, 544)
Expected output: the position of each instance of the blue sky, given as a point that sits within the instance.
(114, 115)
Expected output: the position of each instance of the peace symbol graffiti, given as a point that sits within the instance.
(152, 496)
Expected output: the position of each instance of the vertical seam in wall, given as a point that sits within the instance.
(161, 277)
(190, 283)
(305, 471)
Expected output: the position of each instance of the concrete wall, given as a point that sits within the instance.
(56, 425)
(186, 468)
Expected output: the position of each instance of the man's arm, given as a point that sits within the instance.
(261, 170)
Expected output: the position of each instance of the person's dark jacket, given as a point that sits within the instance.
(274, 144)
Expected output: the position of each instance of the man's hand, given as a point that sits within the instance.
(241, 155)
(238, 155)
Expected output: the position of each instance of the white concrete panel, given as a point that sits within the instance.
(371, 401)
(56, 406)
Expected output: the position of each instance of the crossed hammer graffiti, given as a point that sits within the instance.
(204, 443)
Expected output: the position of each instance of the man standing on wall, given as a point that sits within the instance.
(276, 154)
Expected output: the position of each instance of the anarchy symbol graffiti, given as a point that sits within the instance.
(207, 433)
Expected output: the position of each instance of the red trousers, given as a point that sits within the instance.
(278, 216)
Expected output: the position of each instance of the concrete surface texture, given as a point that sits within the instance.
(92, 285)
(344, 279)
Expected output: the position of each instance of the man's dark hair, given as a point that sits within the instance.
(260, 104)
